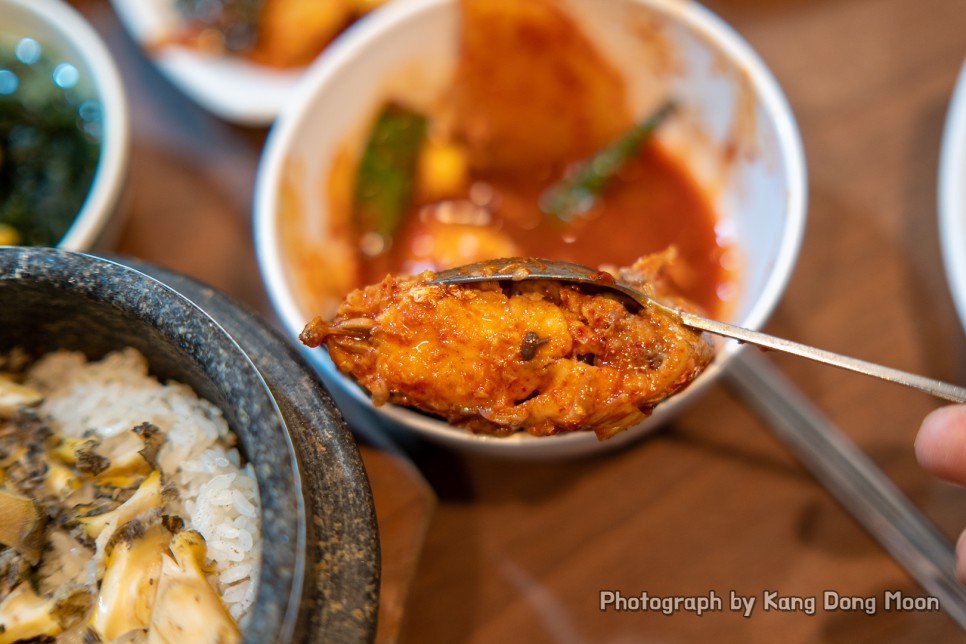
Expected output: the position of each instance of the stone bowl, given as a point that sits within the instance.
(320, 558)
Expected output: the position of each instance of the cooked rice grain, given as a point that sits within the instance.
(218, 495)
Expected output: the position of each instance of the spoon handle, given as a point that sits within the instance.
(937, 388)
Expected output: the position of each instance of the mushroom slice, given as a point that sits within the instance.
(14, 396)
(65, 560)
(22, 525)
(22, 451)
(187, 608)
(101, 527)
(133, 566)
(66, 447)
(121, 460)
(152, 439)
(13, 570)
(9, 455)
(130, 455)
(25, 615)
(60, 481)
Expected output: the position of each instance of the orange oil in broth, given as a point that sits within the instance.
(652, 204)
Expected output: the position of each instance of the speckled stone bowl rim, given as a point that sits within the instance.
(341, 595)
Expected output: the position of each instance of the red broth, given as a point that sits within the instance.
(653, 204)
(530, 95)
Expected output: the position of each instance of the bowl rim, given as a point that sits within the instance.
(230, 87)
(951, 195)
(700, 20)
(332, 466)
(81, 40)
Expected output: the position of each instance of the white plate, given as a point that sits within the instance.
(952, 195)
(227, 86)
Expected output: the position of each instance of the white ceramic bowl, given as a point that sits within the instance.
(952, 195)
(739, 135)
(63, 32)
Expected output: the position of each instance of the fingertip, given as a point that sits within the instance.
(929, 437)
(940, 444)
(961, 557)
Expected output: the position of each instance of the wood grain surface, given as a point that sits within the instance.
(518, 551)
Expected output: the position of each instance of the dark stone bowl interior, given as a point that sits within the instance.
(52, 299)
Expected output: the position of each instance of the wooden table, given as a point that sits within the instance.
(521, 551)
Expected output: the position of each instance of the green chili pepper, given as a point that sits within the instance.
(574, 194)
(386, 174)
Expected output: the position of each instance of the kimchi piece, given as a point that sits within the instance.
(497, 358)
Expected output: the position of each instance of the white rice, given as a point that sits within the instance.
(218, 496)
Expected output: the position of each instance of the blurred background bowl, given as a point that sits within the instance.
(64, 36)
(738, 137)
(319, 568)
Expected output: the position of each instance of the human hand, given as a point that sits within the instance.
(941, 450)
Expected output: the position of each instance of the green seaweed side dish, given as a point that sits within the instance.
(50, 134)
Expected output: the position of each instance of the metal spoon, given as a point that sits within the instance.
(518, 269)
